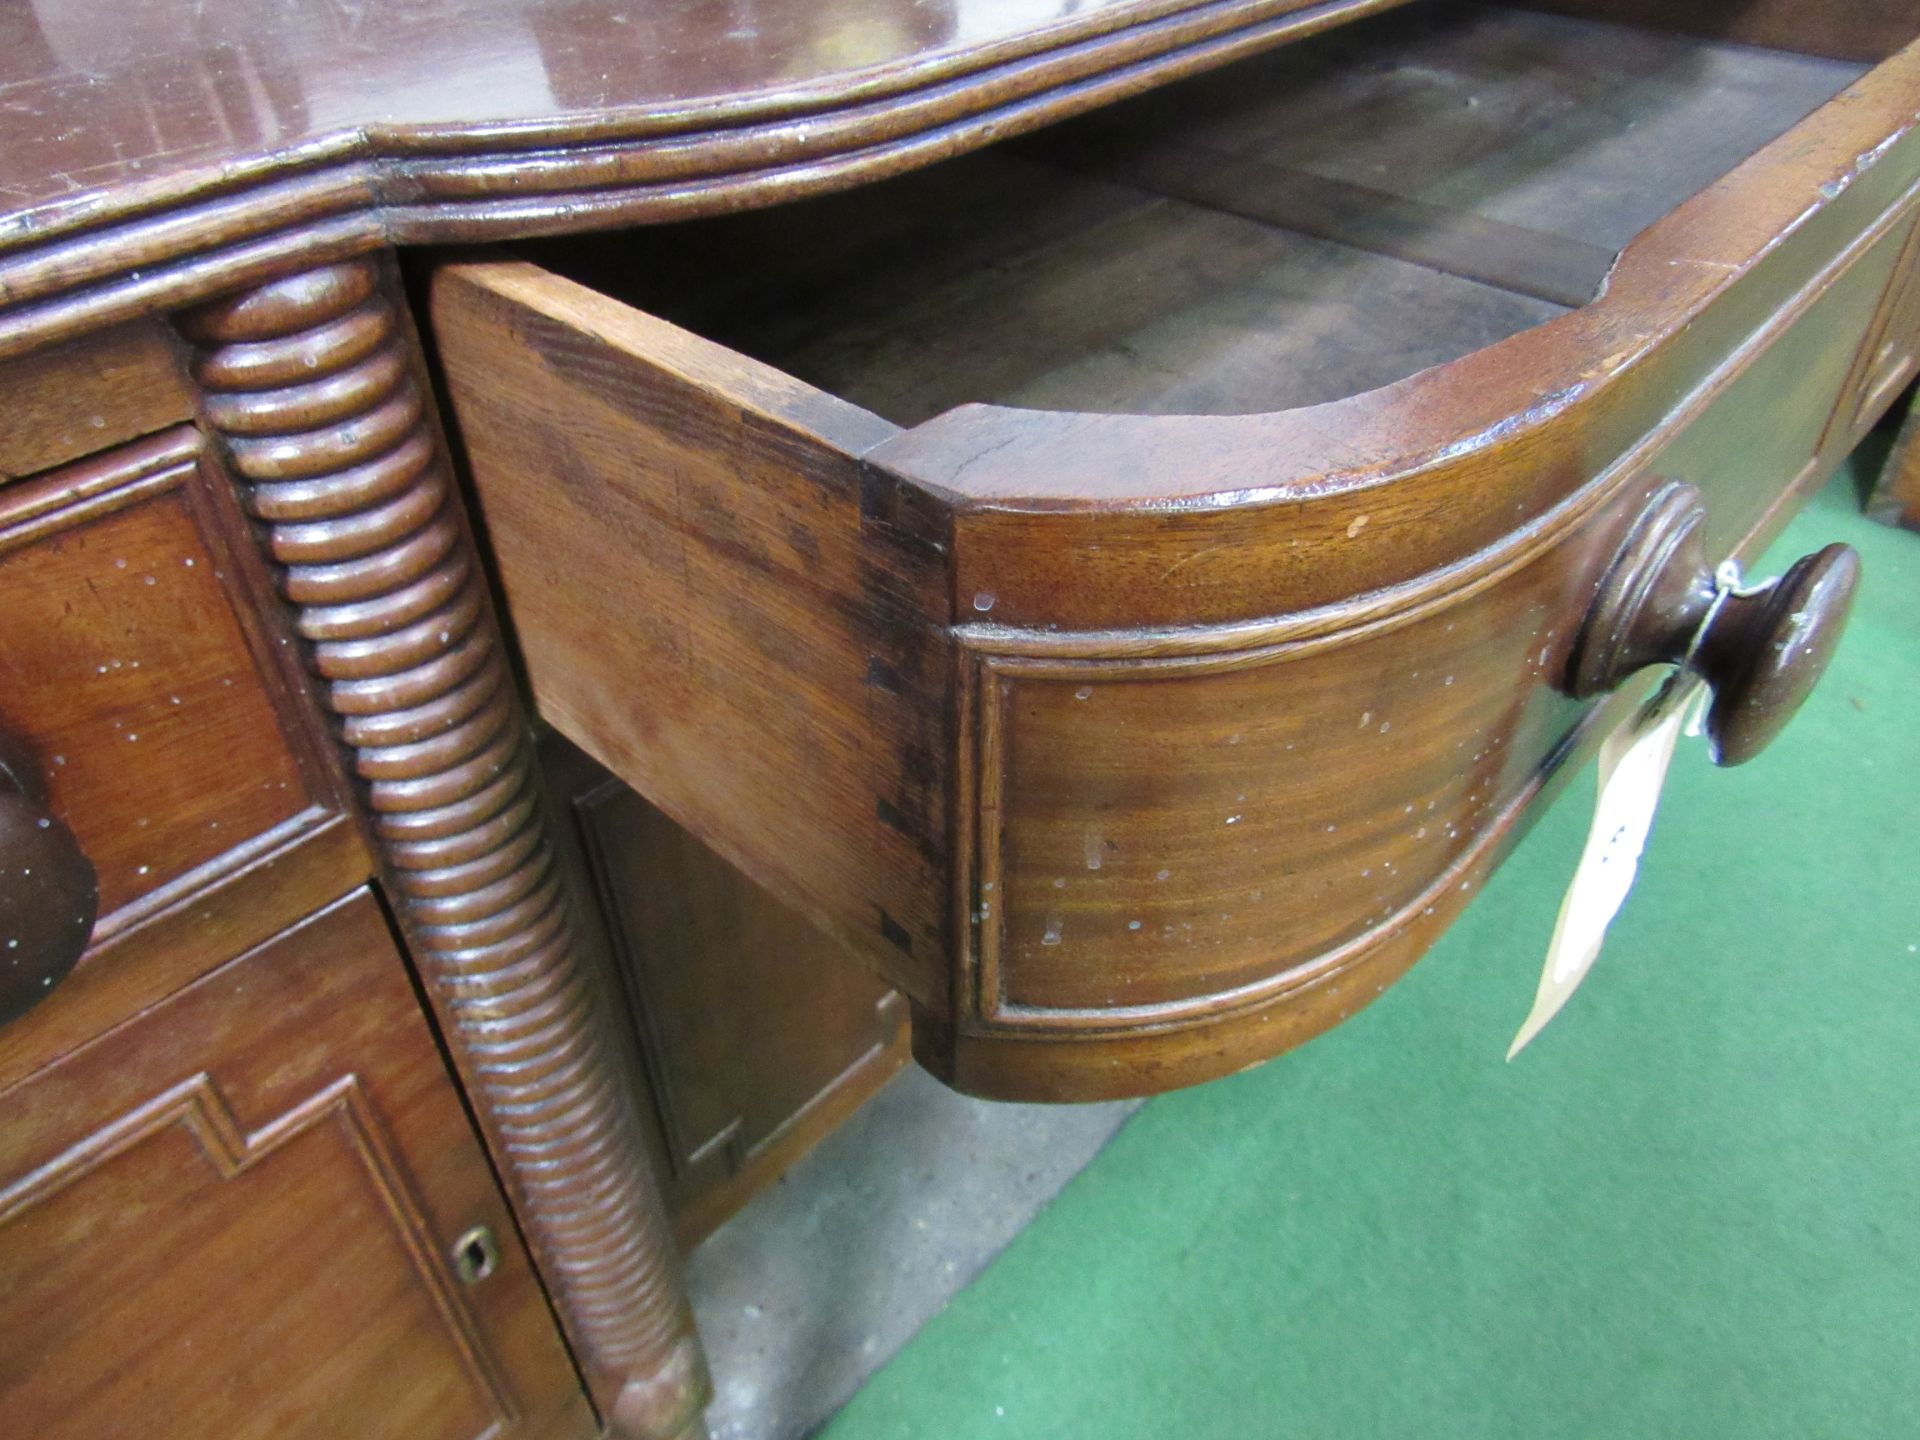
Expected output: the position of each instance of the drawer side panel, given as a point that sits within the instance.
(711, 601)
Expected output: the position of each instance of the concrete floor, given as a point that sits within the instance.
(820, 1279)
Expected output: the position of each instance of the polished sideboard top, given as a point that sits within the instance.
(152, 154)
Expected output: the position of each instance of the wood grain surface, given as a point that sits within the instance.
(158, 159)
(147, 678)
(758, 1032)
(71, 400)
(235, 1215)
(769, 651)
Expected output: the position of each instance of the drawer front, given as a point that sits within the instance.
(1239, 831)
(238, 1215)
(1198, 729)
(141, 672)
(88, 394)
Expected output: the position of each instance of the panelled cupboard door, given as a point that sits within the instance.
(757, 1034)
(258, 1210)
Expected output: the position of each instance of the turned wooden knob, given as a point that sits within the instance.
(48, 891)
(1760, 647)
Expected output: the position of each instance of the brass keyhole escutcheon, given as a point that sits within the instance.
(476, 1255)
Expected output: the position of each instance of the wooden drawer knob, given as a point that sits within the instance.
(49, 894)
(1760, 647)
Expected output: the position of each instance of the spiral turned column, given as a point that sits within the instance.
(314, 383)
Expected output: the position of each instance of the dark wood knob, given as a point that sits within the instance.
(1761, 647)
(49, 894)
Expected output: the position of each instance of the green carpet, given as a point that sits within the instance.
(1690, 1209)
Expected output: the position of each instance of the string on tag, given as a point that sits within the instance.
(1728, 584)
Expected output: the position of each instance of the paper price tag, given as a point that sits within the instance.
(1633, 767)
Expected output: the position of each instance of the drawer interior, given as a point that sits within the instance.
(1319, 221)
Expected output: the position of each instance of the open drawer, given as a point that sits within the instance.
(1132, 583)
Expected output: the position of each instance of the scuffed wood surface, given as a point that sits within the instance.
(156, 155)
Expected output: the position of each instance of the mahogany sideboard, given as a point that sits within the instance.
(571, 574)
